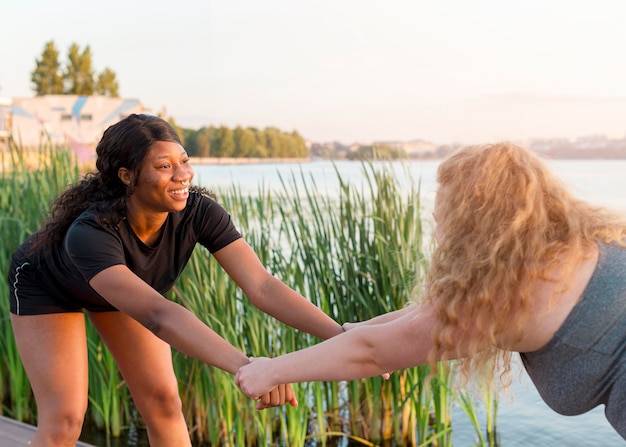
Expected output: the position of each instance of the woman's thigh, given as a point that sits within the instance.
(53, 349)
(144, 360)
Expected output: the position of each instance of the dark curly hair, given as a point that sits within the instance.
(124, 144)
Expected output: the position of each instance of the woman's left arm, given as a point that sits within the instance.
(365, 351)
(271, 295)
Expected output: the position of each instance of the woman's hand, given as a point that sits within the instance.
(254, 381)
(280, 395)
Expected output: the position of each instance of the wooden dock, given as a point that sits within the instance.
(18, 434)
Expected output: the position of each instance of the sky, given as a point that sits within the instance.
(458, 71)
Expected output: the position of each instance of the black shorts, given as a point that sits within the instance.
(33, 291)
(27, 296)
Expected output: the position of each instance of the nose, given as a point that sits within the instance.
(184, 173)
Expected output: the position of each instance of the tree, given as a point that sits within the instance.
(245, 142)
(107, 84)
(76, 77)
(261, 148)
(223, 144)
(79, 73)
(47, 78)
(273, 142)
(203, 141)
(300, 145)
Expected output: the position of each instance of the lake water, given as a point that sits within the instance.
(526, 420)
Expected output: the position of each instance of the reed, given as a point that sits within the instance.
(109, 398)
(14, 386)
(29, 180)
(355, 253)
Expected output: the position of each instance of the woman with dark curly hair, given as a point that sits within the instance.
(521, 265)
(113, 244)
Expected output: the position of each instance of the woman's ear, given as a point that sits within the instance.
(125, 176)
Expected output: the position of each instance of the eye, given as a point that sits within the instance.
(165, 166)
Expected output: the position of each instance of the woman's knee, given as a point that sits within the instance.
(160, 403)
(63, 425)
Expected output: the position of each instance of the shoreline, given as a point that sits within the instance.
(245, 161)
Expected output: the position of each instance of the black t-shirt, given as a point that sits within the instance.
(91, 247)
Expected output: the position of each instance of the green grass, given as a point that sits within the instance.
(355, 254)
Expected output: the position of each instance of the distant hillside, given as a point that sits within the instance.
(591, 147)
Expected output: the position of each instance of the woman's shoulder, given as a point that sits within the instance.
(207, 220)
(97, 217)
(554, 298)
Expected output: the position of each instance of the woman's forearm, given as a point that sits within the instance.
(365, 351)
(291, 308)
(271, 295)
(169, 321)
(186, 333)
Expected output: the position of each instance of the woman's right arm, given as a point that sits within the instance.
(177, 326)
(365, 351)
(166, 319)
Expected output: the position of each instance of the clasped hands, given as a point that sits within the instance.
(276, 396)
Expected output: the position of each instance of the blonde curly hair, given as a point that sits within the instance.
(505, 218)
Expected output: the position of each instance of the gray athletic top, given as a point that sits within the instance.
(584, 365)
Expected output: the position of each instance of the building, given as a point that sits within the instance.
(73, 120)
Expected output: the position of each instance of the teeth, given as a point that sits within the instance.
(181, 191)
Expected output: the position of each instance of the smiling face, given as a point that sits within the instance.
(164, 179)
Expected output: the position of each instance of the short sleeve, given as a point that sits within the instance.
(92, 248)
(213, 225)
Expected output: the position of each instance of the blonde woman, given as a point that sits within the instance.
(521, 265)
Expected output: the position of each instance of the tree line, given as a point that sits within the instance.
(244, 142)
(376, 151)
(76, 76)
